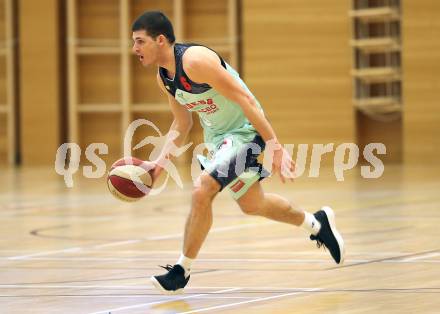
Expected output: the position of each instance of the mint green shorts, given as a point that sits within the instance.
(234, 165)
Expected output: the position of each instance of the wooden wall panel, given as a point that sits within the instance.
(3, 120)
(99, 79)
(3, 139)
(2, 21)
(98, 19)
(389, 132)
(144, 88)
(3, 115)
(296, 60)
(39, 81)
(421, 70)
(205, 19)
(3, 81)
(99, 128)
(140, 6)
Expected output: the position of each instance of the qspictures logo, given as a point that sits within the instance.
(345, 157)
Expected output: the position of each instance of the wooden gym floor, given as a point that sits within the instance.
(80, 251)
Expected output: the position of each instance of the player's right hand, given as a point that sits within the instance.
(283, 164)
(155, 173)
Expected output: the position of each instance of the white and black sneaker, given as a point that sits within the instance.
(173, 281)
(328, 235)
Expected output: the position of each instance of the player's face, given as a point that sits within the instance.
(145, 47)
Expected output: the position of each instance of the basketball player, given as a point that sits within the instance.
(195, 78)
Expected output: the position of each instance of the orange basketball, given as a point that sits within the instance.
(129, 179)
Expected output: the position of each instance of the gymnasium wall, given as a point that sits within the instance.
(421, 83)
(4, 86)
(297, 60)
(39, 81)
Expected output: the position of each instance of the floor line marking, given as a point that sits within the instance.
(152, 238)
(248, 301)
(123, 308)
(422, 256)
(24, 257)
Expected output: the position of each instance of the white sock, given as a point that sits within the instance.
(186, 263)
(311, 224)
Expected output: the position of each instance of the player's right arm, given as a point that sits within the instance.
(182, 117)
(182, 123)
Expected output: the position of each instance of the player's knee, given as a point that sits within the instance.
(250, 208)
(207, 189)
(199, 196)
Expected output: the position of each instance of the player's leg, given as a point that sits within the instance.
(197, 226)
(219, 171)
(256, 202)
(199, 220)
(321, 225)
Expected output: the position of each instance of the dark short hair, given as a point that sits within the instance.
(155, 23)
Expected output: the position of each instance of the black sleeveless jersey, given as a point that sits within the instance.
(181, 80)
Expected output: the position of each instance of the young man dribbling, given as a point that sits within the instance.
(195, 78)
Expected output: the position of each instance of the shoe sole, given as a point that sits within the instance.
(162, 289)
(331, 219)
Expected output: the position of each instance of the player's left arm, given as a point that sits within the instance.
(203, 66)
